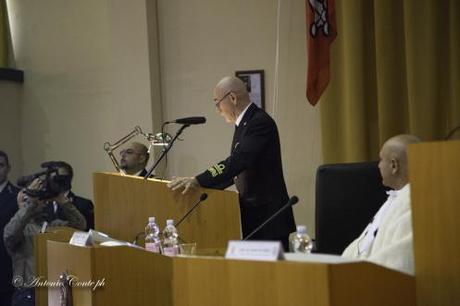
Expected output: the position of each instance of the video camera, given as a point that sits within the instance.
(53, 182)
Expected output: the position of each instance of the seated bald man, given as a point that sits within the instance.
(254, 164)
(134, 159)
(387, 240)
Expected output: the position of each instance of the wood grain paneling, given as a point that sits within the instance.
(124, 203)
(137, 277)
(41, 260)
(434, 173)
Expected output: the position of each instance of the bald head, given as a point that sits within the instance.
(134, 158)
(139, 148)
(397, 145)
(233, 84)
(393, 160)
(231, 98)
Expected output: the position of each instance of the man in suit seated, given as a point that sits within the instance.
(387, 240)
(134, 159)
(8, 207)
(84, 206)
(254, 165)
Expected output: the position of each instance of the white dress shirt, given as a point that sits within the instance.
(392, 245)
(240, 116)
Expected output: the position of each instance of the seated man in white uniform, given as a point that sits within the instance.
(387, 240)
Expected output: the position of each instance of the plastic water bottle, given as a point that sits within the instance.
(300, 242)
(152, 236)
(170, 239)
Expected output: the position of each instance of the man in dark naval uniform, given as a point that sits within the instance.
(8, 207)
(254, 165)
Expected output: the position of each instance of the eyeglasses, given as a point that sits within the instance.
(221, 99)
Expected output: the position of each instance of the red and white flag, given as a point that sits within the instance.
(321, 32)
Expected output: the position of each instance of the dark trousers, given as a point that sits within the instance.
(5, 298)
(23, 297)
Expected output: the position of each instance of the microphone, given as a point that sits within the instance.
(203, 197)
(292, 201)
(189, 120)
(186, 122)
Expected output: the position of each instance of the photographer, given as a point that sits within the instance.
(84, 206)
(30, 220)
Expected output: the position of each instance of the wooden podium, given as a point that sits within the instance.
(41, 257)
(136, 277)
(124, 203)
(434, 173)
(130, 276)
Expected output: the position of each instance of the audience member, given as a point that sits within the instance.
(134, 159)
(8, 207)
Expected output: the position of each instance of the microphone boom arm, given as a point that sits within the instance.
(109, 148)
(203, 197)
(290, 202)
(163, 154)
(153, 139)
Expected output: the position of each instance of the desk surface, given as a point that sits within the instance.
(137, 277)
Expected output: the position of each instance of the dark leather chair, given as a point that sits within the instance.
(347, 198)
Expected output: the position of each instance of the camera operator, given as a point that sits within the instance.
(30, 220)
(84, 206)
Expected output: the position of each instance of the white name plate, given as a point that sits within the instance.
(98, 237)
(81, 239)
(255, 250)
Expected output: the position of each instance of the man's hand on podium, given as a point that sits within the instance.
(187, 183)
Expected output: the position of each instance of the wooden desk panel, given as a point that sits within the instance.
(124, 203)
(434, 173)
(41, 258)
(248, 283)
(213, 281)
(131, 276)
(136, 277)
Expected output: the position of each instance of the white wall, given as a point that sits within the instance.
(298, 121)
(90, 67)
(86, 79)
(10, 125)
(203, 40)
(200, 42)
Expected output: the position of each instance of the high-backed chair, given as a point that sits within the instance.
(347, 197)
